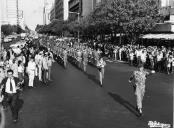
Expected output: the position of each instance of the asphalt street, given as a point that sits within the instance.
(75, 100)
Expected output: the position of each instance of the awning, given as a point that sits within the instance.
(162, 28)
(159, 36)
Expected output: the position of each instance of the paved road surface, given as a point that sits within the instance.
(74, 100)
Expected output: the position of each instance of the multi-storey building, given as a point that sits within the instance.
(166, 9)
(3, 6)
(9, 12)
(83, 7)
(89, 5)
(60, 10)
(52, 13)
(75, 9)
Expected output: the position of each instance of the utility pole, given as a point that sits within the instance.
(44, 16)
(78, 29)
(44, 13)
(17, 15)
(0, 24)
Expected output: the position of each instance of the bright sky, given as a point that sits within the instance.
(33, 11)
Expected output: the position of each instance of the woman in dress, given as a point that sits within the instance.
(139, 78)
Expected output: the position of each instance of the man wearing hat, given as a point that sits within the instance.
(139, 78)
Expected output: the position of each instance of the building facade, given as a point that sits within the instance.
(66, 9)
(52, 13)
(167, 10)
(4, 17)
(83, 7)
(75, 9)
(9, 13)
(59, 10)
(166, 7)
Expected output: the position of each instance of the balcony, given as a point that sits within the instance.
(73, 3)
(172, 11)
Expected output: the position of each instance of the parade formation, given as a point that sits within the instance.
(20, 68)
(86, 63)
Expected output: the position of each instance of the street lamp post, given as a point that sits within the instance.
(78, 36)
(0, 24)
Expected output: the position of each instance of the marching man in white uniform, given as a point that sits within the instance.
(31, 71)
(40, 61)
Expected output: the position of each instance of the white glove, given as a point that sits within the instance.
(153, 71)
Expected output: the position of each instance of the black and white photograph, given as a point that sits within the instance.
(86, 63)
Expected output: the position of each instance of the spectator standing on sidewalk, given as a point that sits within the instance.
(31, 71)
(45, 68)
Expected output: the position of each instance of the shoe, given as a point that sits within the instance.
(15, 121)
(140, 112)
(137, 109)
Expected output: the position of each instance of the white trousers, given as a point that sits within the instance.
(139, 96)
(36, 72)
(40, 72)
(31, 78)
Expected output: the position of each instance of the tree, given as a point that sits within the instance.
(9, 29)
(6, 29)
(27, 29)
(38, 27)
(129, 17)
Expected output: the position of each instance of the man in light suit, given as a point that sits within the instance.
(31, 69)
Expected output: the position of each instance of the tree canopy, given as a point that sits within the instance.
(128, 17)
(9, 29)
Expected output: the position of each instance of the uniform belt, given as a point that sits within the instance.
(10, 93)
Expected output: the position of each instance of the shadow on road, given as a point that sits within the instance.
(19, 104)
(59, 61)
(93, 78)
(124, 103)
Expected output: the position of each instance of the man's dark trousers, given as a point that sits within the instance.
(11, 100)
